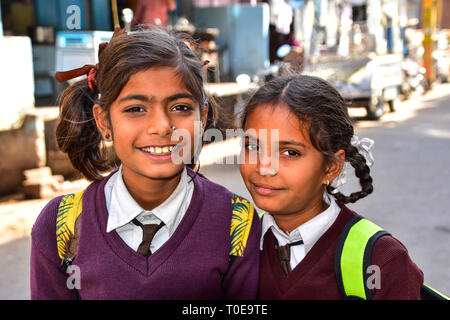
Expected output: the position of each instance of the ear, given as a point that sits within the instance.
(204, 116)
(334, 166)
(102, 121)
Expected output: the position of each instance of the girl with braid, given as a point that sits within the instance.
(305, 212)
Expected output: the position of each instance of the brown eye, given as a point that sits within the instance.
(182, 107)
(135, 109)
(291, 153)
(252, 146)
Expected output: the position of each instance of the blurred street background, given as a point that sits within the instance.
(390, 60)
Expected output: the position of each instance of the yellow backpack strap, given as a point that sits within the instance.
(67, 225)
(241, 223)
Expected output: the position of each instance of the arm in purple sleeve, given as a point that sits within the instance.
(47, 276)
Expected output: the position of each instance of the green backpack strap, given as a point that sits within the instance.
(352, 257)
(428, 293)
(68, 225)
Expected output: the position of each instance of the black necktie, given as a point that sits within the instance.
(148, 232)
(284, 254)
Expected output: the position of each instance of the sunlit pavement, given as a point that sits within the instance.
(411, 171)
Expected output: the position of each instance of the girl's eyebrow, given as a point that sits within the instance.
(145, 98)
(140, 97)
(291, 142)
(280, 143)
(177, 96)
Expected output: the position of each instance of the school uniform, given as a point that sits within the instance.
(188, 261)
(312, 263)
(122, 209)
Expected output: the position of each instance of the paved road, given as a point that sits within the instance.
(412, 149)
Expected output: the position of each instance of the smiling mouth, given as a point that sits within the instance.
(161, 150)
(265, 189)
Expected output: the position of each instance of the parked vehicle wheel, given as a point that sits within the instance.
(423, 87)
(375, 108)
(393, 104)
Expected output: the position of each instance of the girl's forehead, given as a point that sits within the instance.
(155, 81)
(278, 117)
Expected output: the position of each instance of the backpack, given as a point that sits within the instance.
(352, 260)
(68, 224)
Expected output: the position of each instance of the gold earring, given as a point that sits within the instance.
(327, 183)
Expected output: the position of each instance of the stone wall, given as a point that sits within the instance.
(21, 149)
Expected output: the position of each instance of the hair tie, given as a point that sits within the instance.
(92, 81)
(364, 146)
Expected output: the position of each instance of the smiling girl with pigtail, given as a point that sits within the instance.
(153, 228)
(313, 246)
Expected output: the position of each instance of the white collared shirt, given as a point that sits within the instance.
(309, 232)
(122, 208)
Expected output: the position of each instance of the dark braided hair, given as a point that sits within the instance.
(314, 101)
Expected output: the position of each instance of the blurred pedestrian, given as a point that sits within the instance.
(153, 12)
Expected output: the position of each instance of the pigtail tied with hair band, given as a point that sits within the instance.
(364, 147)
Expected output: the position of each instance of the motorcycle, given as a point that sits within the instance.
(414, 78)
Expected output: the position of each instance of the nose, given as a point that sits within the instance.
(159, 123)
(266, 166)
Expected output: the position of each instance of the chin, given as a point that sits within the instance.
(267, 204)
(163, 171)
(156, 171)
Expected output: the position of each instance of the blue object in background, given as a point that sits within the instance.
(389, 35)
(64, 16)
(244, 32)
(1, 23)
(101, 15)
(389, 39)
(45, 13)
(283, 51)
(53, 13)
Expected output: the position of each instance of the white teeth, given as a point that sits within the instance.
(158, 150)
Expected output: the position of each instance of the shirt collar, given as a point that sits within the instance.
(124, 208)
(309, 232)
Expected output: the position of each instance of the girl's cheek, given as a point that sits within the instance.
(246, 170)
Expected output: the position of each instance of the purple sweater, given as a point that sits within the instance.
(189, 265)
(314, 277)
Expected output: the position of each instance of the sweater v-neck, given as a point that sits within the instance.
(312, 258)
(144, 265)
